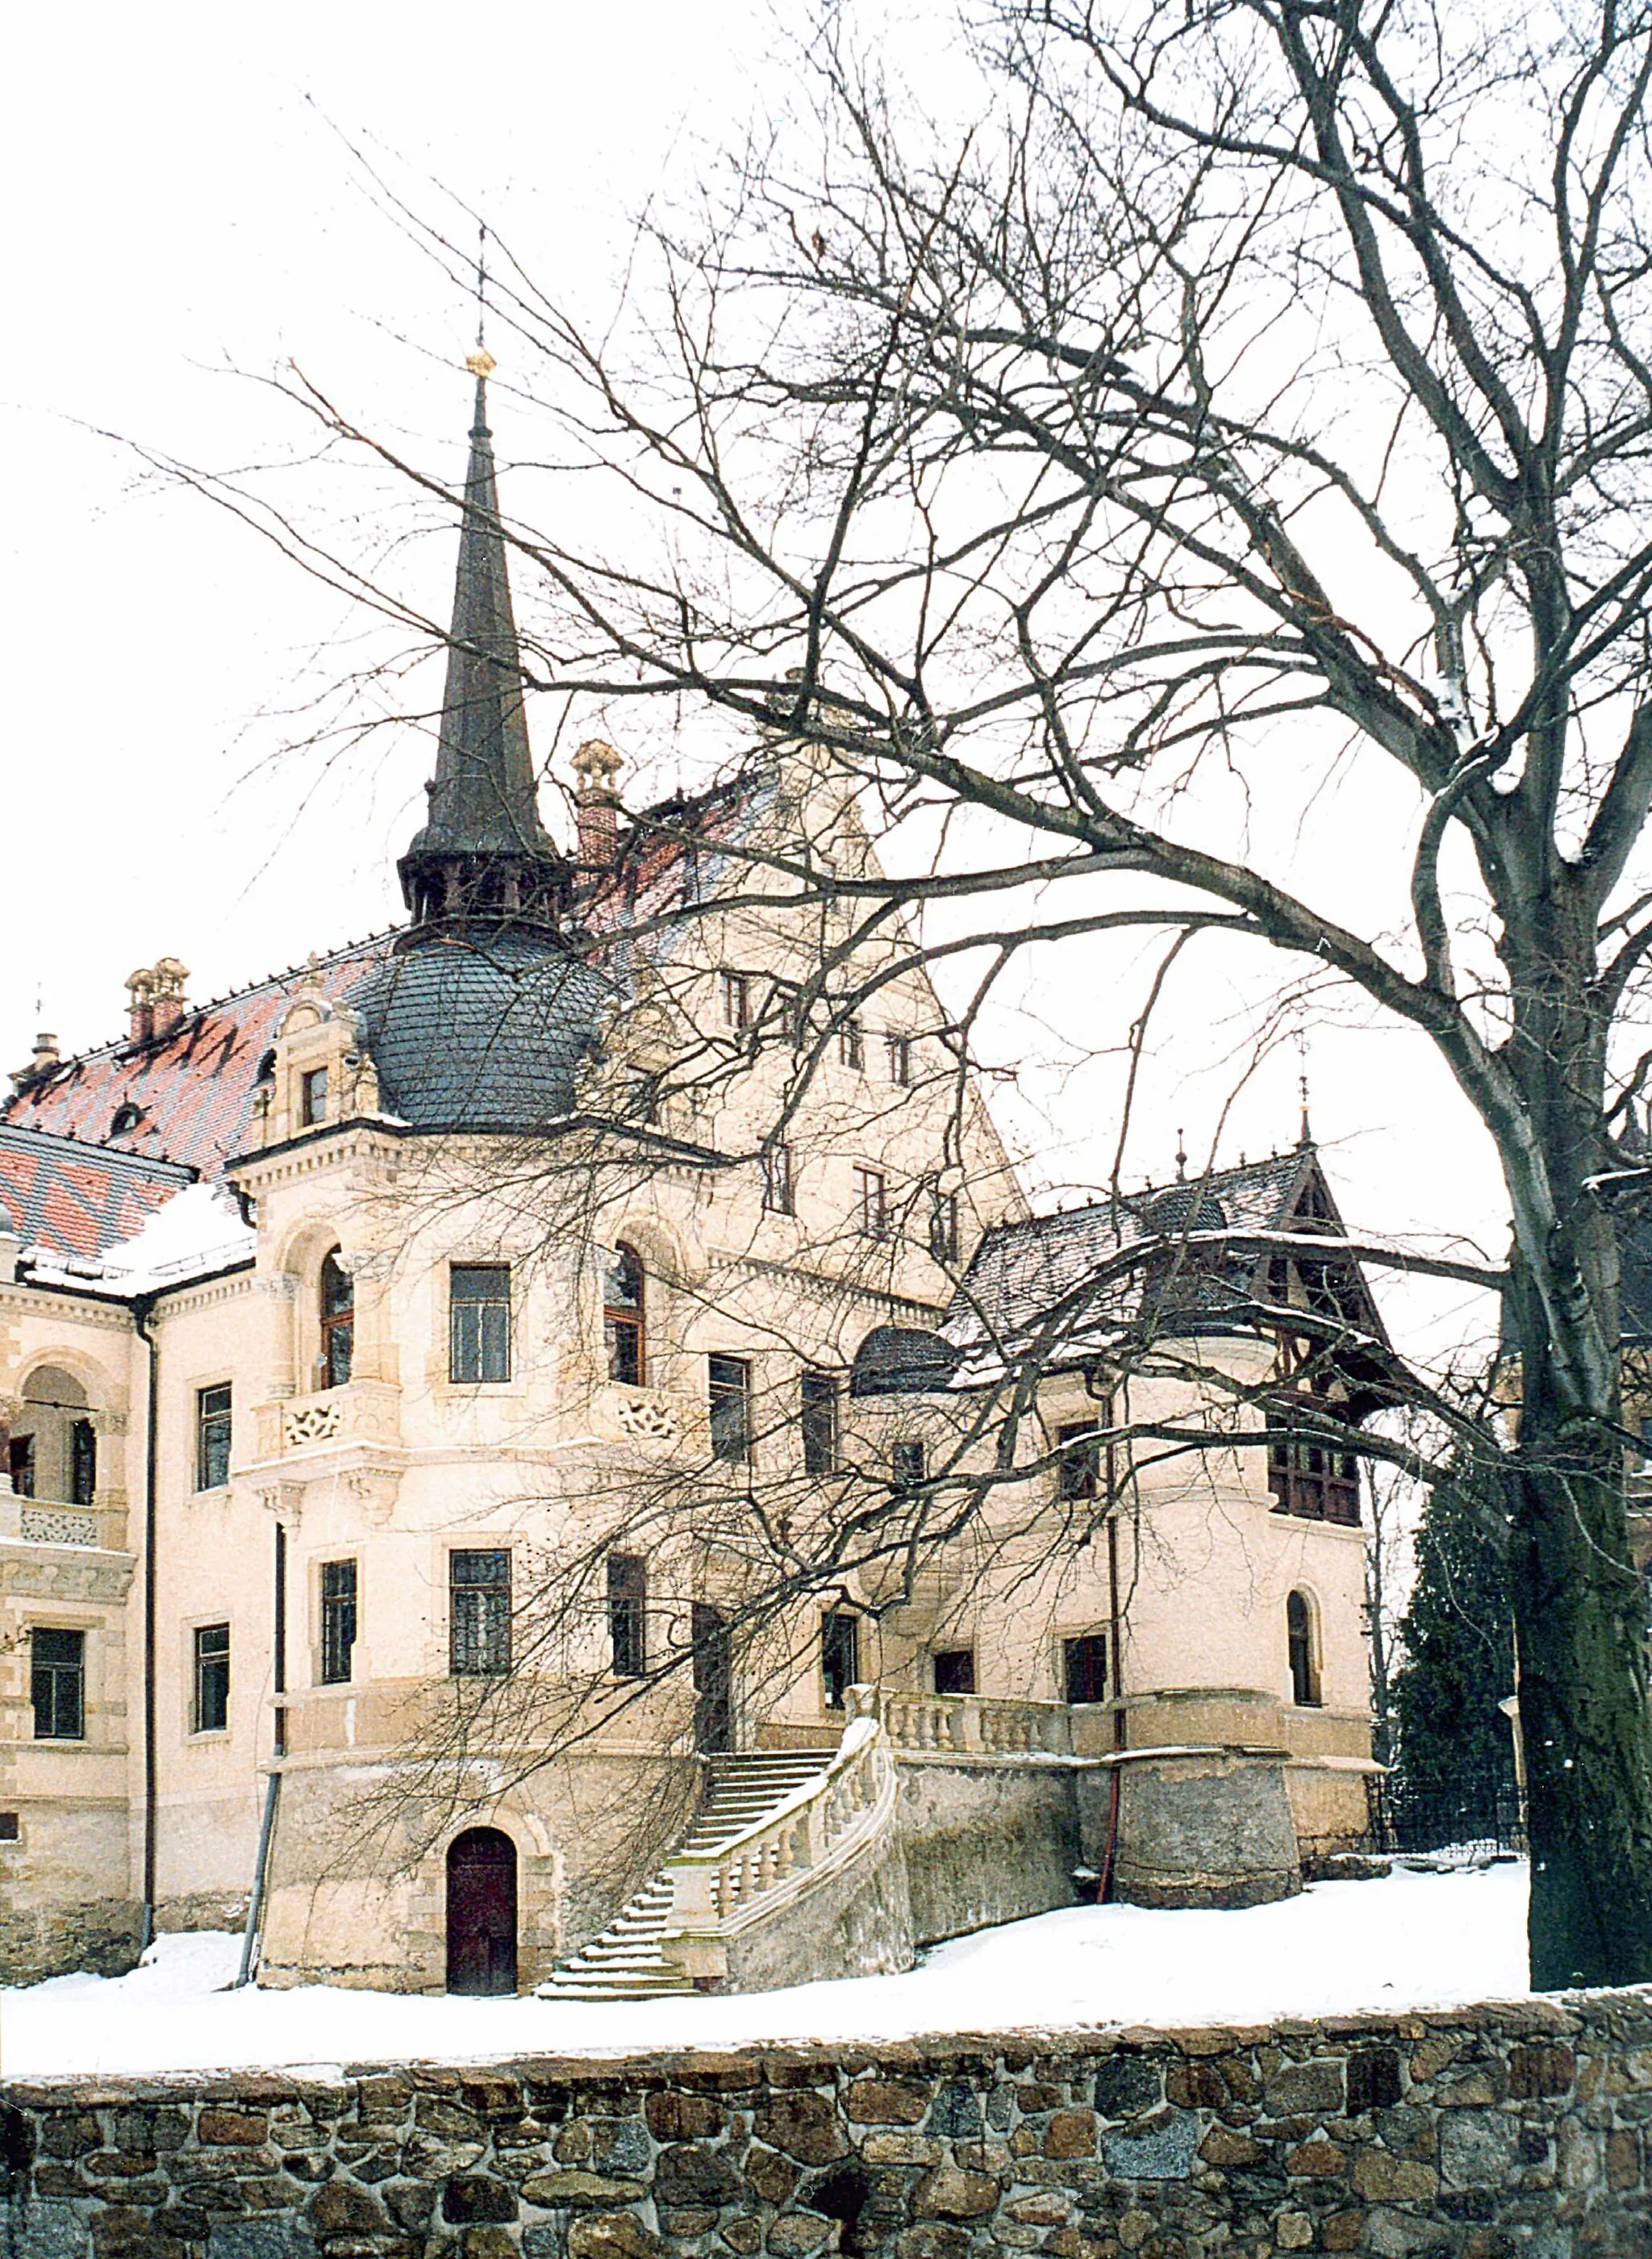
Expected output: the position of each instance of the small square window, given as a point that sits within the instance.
(907, 1464)
(955, 1670)
(10, 1831)
(313, 1097)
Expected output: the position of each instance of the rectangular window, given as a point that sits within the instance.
(907, 1464)
(628, 1613)
(955, 1670)
(57, 1684)
(730, 1381)
(212, 1437)
(1078, 1469)
(20, 1465)
(624, 1298)
(1313, 1480)
(871, 1201)
(337, 1620)
(783, 1015)
(479, 1321)
(10, 1831)
(736, 1000)
(83, 1463)
(818, 1420)
(851, 1044)
(839, 1657)
(944, 1226)
(479, 1612)
(211, 1710)
(778, 1195)
(313, 1097)
(1085, 1667)
(900, 1052)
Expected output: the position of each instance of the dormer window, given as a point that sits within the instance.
(125, 1119)
(312, 1097)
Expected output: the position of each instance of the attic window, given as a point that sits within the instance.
(266, 1066)
(125, 1117)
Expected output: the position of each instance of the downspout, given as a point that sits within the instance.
(143, 1311)
(272, 1779)
(1116, 1650)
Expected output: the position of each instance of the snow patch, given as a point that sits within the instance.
(1409, 1940)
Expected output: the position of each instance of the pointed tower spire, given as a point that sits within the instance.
(482, 858)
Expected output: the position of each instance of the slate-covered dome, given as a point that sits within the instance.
(480, 1033)
(901, 1360)
(1185, 1207)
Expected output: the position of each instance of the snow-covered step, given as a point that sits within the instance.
(626, 1961)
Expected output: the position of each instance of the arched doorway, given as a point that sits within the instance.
(481, 1912)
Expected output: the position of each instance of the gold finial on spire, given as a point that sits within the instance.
(482, 362)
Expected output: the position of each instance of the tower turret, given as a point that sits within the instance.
(483, 860)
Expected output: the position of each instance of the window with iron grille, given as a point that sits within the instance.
(479, 1612)
(1078, 1467)
(338, 1622)
(818, 1421)
(212, 1426)
(83, 1463)
(954, 1669)
(944, 1226)
(628, 1613)
(57, 1684)
(851, 1044)
(1085, 1667)
(899, 1048)
(312, 1104)
(907, 1464)
(623, 1294)
(211, 1703)
(839, 1657)
(728, 1381)
(872, 1200)
(479, 1321)
(778, 1196)
(338, 1321)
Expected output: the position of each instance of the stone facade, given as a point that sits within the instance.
(1511, 2132)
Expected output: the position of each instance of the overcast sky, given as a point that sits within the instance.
(186, 216)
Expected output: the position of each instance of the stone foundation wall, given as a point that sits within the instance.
(986, 1843)
(1517, 2132)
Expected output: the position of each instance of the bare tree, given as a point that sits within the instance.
(1255, 391)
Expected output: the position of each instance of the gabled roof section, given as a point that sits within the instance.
(1044, 1287)
(185, 1097)
(77, 1200)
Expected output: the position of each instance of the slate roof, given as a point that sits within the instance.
(78, 1201)
(1029, 1278)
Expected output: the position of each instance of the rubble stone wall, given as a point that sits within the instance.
(1512, 2132)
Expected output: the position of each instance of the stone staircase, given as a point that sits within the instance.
(626, 1961)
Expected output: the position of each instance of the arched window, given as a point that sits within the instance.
(338, 1321)
(623, 1294)
(1303, 1645)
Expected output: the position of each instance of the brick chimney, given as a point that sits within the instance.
(596, 765)
(140, 988)
(169, 1004)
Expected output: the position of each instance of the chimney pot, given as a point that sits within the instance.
(597, 766)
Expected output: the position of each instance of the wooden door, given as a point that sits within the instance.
(713, 1682)
(481, 1912)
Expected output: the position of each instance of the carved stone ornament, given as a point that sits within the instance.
(646, 1421)
(310, 1423)
(374, 1489)
(58, 1525)
(283, 1499)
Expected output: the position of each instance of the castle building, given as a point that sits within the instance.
(547, 1448)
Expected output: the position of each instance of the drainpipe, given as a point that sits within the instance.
(1115, 1644)
(143, 1314)
(272, 1779)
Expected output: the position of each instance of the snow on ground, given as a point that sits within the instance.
(1409, 1940)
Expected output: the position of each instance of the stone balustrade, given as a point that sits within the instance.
(45, 1522)
(771, 1863)
(359, 1412)
(975, 1725)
